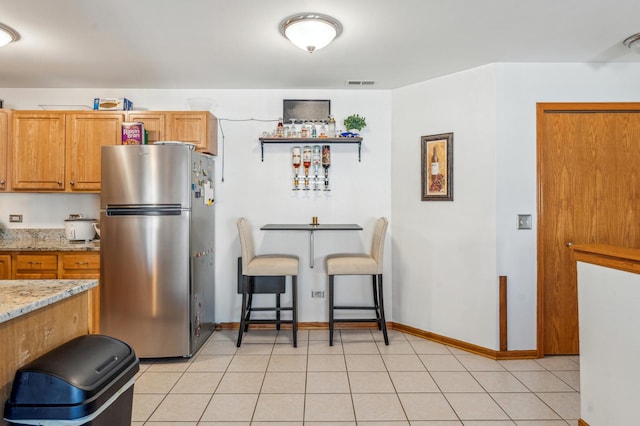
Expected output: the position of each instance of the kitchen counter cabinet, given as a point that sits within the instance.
(4, 147)
(84, 266)
(20, 265)
(37, 150)
(35, 266)
(36, 317)
(5, 266)
(60, 152)
(197, 127)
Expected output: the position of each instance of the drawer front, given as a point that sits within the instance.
(80, 262)
(36, 262)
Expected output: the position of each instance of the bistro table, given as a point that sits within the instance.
(311, 229)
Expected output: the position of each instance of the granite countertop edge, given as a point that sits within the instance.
(42, 240)
(20, 297)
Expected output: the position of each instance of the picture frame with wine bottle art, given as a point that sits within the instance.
(437, 167)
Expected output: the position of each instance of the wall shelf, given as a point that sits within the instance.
(312, 141)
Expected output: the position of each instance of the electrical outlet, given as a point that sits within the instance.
(15, 218)
(317, 293)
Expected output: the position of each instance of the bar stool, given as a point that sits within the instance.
(361, 264)
(273, 265)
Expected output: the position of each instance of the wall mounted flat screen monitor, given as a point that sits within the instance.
(306, 109)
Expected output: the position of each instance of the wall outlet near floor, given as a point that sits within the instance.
(317, 293)
(525, 221)
(15, 218)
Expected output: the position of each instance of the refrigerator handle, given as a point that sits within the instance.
(153, 210)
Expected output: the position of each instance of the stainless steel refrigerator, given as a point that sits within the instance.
(157, 248)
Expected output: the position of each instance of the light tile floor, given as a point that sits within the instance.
(358, 381)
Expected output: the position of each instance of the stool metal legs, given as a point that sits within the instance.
(378, 307)
(247, 308)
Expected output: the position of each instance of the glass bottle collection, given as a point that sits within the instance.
(305, 129)
(315, 156)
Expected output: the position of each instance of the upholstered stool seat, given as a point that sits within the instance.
(360, 264)
(265, 265)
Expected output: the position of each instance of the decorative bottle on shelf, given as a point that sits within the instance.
(280, 128)
(316, 159)
(331, 127)
(304, 130)
(314, 130)
(306, 162)
(295, 160)
(326, 163)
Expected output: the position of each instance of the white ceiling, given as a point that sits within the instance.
(235, 44)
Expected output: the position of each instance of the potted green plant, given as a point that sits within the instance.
(355, 122)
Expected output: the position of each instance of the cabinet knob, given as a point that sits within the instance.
(569, 244)
(72, 183)
(2, 182)
(59, 183)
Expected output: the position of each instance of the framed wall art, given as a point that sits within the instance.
(437, 167)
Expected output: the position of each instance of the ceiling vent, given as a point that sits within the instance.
(360, 82)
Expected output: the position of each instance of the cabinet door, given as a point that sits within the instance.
(154, 124)
(4, 146)
(37, 150)
(198, 127)
(85, 135)
(5, 266)
(85, 266)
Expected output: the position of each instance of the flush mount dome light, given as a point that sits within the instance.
(7, 35)
(310, 31)
(629, 41)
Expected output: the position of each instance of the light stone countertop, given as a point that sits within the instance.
(42, 240)
(19, 297)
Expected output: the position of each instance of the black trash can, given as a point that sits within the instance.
(86, 381)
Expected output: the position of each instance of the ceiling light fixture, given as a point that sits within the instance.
(629, 41)
(7, 35)
(310, 31)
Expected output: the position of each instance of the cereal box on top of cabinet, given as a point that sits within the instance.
(119, 104)
(133, 133)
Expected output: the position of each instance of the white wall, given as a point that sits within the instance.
(448, 256)
(444, 270)
(260, 191)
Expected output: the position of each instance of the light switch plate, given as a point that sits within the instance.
(524, 221)
(15, 218)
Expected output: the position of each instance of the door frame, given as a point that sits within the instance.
(541, 109)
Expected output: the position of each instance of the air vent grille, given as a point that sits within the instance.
(360, 82)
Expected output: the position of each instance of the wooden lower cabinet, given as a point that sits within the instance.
(57, 265)
(84, 266)
(35, 266)
(5, 267)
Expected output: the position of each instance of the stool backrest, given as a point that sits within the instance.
(246, 243)
(377, 244)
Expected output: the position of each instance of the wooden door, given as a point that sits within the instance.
(587, 174)
(4, 144)
(37, 151)
(86, 134)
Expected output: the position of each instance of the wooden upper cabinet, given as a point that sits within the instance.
(4, 147)
(37, 151)
(86, 134)
(198, 127)
(154, 124)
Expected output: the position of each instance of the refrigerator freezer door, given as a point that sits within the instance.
(145, 282)
(146, 174)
